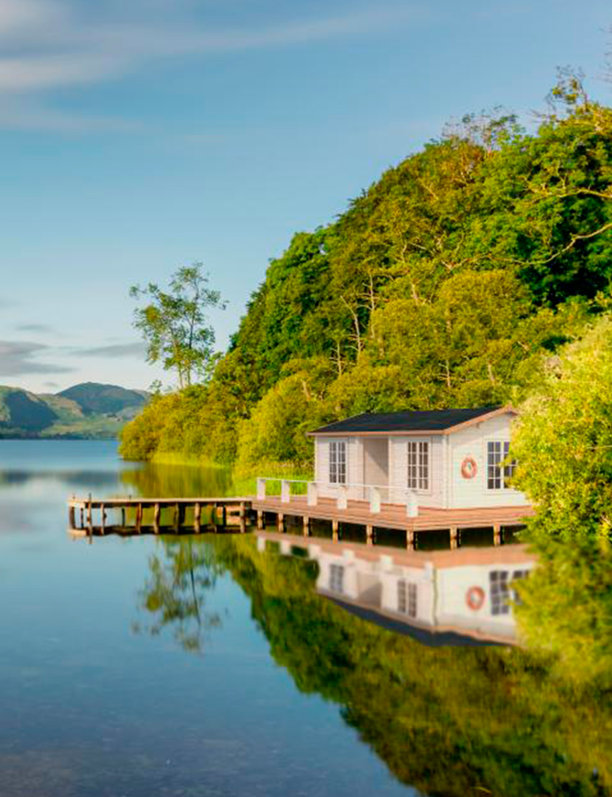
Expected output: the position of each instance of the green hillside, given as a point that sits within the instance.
(89, 411)
(449, 282)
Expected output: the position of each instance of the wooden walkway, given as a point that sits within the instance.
(88, 516)
(392, 516)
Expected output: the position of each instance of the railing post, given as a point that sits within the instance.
(342, 500)
(374, 500)
(312, 494)
(412, 504)
(261, 489)
(285, 492)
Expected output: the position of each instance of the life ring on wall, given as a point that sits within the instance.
(469, 468)
(475, 598)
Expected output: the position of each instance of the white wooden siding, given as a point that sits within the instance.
(472, 442)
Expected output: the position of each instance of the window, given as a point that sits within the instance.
(516, 576)
(500, 593)
(407, 598)
(336, 578)
(498, 476)
(418, 465)
(337, 463)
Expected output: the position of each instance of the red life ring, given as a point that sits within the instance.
(475, 598)
(469, 468)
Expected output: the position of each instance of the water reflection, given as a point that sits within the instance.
(448, 720)
(453, 596)
(176, 590)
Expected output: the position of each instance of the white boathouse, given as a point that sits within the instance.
(444, 459)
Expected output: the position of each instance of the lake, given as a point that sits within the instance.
(227, 665)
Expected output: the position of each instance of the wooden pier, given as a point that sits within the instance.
(139, 515)
(389, 517)
(97, 517)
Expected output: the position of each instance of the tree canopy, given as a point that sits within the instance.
(449, 282)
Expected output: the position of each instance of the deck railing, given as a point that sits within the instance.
(370, 492)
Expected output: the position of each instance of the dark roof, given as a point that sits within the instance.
(411, 421)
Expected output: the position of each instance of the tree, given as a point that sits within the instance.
(563, 444)
(174, 323)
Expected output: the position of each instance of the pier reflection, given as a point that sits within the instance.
(438, 597)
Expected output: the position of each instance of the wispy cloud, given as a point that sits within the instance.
(42, 328)
(49, 45)
(21, 357)
(113, 350)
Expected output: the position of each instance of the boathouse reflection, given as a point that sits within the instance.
(453, 596)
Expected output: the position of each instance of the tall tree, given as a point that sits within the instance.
(175, 326)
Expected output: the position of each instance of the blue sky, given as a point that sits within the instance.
(137, 137)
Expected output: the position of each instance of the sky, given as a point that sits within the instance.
(139, 137)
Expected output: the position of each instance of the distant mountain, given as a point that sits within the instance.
(105, 399)
(88, 410)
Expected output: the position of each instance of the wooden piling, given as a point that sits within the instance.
(260, 520)
(102, 519)
(369, 535)
(454, 541)
(156, 517)
(280, 522)
(139, 518)
(410, 539)
(177, 518)
(335, 526)
(197, 516)
(306, 526)
(497, 535)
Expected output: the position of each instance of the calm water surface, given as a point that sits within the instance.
(206, 666)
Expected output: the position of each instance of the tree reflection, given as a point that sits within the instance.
(177, 589)
(169, 481)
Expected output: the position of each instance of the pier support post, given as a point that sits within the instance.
(197, 516)
(454, 538)
(260, 520)
(280, 522)
(177, 518)
(335, 530)
(72, 517)
(156, 518)
(82, 516)
(410, 539)
(139, 518)
(306, 526)
(102, 519)
(224, 516)
(89, 518)
(123, 517)
(369, 535)
(497, 535)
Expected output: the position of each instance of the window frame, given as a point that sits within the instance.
(497, 475)
(407, 598)
(338, 462)
(418, 465)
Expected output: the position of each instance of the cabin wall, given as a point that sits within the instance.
(472, 442)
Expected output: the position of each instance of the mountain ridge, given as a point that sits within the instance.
(88, 410)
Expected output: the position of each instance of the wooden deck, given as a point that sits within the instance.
(136, 515)
(393, 516)
(89, 516)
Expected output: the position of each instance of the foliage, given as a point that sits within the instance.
(174, 323)
(449, 282)
(564, 447)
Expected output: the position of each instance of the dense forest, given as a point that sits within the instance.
(452, 281)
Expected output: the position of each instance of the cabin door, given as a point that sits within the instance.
(376, 463)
